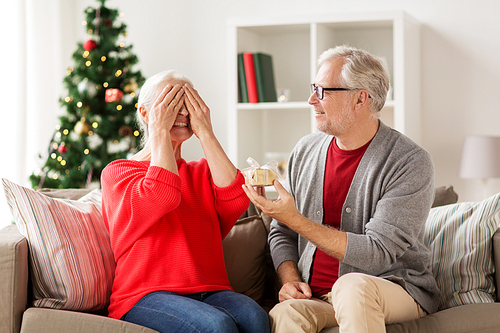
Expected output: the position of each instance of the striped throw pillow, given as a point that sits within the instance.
(460, 239)
(72, 265)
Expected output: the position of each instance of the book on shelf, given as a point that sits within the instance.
(242, 81)
(264, 77)
(256, 78)
(253, 96)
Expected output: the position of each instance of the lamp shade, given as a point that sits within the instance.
(481, 157)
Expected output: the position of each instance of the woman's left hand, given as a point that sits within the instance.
(199, 113)
(222, 169)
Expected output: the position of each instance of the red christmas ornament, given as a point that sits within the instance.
(113, 95)
(89, 45)
(62, 148)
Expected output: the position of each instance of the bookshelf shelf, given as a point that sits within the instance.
(295, 43)
(273, 106)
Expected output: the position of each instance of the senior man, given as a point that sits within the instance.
(347, 232)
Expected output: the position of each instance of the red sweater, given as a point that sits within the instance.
(341, 165)
(166, 230)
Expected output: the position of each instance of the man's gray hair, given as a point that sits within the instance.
(361, 70)
(150, 91)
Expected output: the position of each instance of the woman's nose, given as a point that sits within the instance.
(183, 111)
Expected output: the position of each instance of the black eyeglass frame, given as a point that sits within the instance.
(320, 91)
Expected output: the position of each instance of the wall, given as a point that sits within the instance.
(460, 71)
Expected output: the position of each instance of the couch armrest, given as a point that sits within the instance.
(51, 320)
(496, 258)
(13, 279)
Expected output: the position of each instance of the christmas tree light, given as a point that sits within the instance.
(100, 102)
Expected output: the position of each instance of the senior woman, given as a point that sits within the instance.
(167, 219)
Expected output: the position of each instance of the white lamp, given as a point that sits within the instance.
(481, 158)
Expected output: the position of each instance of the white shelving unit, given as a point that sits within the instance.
(295, 43)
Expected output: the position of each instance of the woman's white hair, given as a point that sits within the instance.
(361, 70)
(150, 91)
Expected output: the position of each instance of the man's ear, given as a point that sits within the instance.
(362, 98)
(144, 114)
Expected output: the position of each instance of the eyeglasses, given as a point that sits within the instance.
(320, 91)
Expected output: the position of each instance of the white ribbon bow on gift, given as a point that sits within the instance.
(271, 165)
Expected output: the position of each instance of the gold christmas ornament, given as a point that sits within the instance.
(130, 87)
(82, 127)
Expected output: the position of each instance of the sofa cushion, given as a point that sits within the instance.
(65, 193)
(245, 255)
(50, 320)
(13, 278)
(475, 318)
(72, 265)
(460, 239)
(444, 195)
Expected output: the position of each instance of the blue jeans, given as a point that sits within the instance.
(217, 312)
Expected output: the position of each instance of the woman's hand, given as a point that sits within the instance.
(199, 113)
(160, 120)
(222, 169)
(165, 109)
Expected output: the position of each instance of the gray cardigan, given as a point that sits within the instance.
(384, 212)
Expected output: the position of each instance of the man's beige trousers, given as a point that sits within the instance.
(357, 303)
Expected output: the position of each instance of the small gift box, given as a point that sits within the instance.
(257, 175)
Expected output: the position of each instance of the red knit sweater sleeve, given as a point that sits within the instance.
(135, 196)
(231, 202)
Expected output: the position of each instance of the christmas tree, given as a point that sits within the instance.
(99, 124)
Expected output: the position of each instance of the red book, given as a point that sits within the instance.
(253, 96)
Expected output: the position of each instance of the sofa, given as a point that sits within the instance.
(250, 272)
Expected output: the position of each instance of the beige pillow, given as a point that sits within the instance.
(444, 195)
(66, 193)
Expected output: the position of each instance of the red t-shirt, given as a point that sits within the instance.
(340, 168)
(166, 230)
